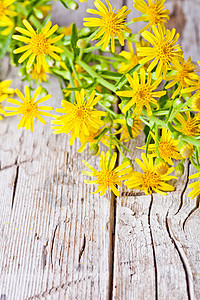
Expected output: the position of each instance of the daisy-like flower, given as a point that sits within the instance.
(6, 14)
(167, 147)
(41, 76)
(150, 181)
(195, 186)
(110, 23)
(108, 177)
(142, 92)
(188, 125)
(39, 45)
(183, 71)
(154, 12)
(164, 50)
(136, 128)
(28, 109)
(80, 118)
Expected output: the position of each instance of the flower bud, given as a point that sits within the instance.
(130, 121)
(108, 121)
(125, 159)
(179, 170)
(81, 44)
(186, 150)
(177, 102)
(161, 166)
(72, 4)
(94, 149)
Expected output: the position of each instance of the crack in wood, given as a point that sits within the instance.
(153, 249)
(184, 188)
(183, 258)
(15, 164)
(82, 249)
(52, 244)
(191, 212)
(44, 256)
(15, 185)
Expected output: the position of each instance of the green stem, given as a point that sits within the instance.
(193, 163)
(72, 85)
(120, 150)
(109, 110)
(92, 36)
(74, 70)
(197, 158)
(93, 74)
(156, 140)
(118, 142)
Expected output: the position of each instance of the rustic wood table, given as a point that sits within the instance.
(58, 241)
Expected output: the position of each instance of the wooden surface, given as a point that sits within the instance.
(58, 241)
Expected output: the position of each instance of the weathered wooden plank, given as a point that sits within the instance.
(55, 235)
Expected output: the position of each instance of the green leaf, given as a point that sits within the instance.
(74, 39)
(64, 4)
(5, 45)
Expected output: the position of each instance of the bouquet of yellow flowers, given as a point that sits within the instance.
(109, 97)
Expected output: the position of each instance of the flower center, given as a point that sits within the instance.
(39, 44)
(111, 23)
(81, 113)
(143, 94)
(166, 149)
(2, 9)
(153, 14)
(150, 180)
(164, 51)
(28, 108)
(106, 177)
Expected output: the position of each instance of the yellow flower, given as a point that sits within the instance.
(80, 118)
(83, 0)
(131, 57)
(5, 90)
(137, 126)
(38, 45)
(185, 70)
(2, 112)
(142, 92)
(154, 12)
(195, 102)
(188, 126)
(167, 147)
(164, 50)
(111, 24)
(195, 186)
(149, 180)
(28, 109)
(6, 15)
(41, 76)
(108, 177)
